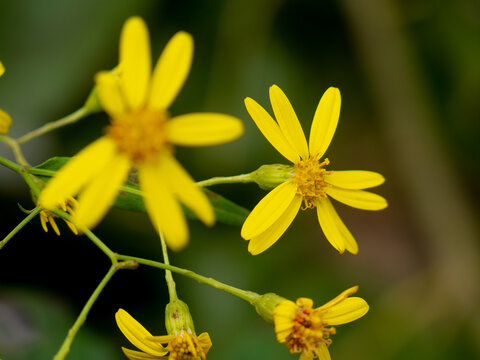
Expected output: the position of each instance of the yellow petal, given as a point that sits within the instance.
(135, 61)
(2, 69)
(171, 70)
(283, 318)
(288, 121)
(44, 220)
(81, 168)
(162, 339)
(269, 209)
(347, 311)
(109, 94)
(354, 179)
(190, 346)
(286, 310)
(338, 299)
(164, 210)
(322, 352)
(5, 122)
(137, 355)
(187, 191)
(202, 129)
(262, 242)
(137, 334)
(271, 130)
(205, 341)
(334, 229)
(52, 222)
(357, 198)
(72, 227)
(97, 197)
(324, 122)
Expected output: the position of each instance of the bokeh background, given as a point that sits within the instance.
(409, 74)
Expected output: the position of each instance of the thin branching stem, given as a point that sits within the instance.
(67, 120)
(17, 228)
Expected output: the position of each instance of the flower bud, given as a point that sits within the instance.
(178, 318)
(5, 122)
(270, 176)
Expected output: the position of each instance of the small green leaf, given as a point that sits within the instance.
(53, 163)
(130, 198)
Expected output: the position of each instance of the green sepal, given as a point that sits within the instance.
(129, 197)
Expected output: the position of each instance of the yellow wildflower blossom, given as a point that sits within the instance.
(46, 216)
(142, 134)
(5, 119)
(184, 345)
(308, 180)
(306, 331)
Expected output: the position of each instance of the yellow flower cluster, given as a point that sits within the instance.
(142, 135)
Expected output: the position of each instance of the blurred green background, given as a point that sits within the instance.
(409, 74)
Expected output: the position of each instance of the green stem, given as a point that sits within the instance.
(243, 178)
(100, 244)
(41, 172)
(11, 165)
(248, 296)
(172, 291)
(69, 119)
(20, 226)
(22, 170)
(14, 145)
(65, 348)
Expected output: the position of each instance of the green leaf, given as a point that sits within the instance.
(130, 198)
(53, 163)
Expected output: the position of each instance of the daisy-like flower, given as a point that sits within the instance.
(307, 181)
(46, 216)
(142, 134)
(5, 119)
(184, 345)
(306, 331)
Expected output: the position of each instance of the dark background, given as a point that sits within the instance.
(409, 76)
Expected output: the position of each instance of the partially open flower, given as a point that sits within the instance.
(185, 345)
(306, 331)
(181, 341)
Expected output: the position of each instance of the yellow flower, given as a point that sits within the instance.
(306, 331)
(309, 182)
(47, 216)
(142, 134)
(184, 345)
(5, 119)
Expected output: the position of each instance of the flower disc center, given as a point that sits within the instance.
(141, 134)
(308, 332)
(186, 347)
(308, 175)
